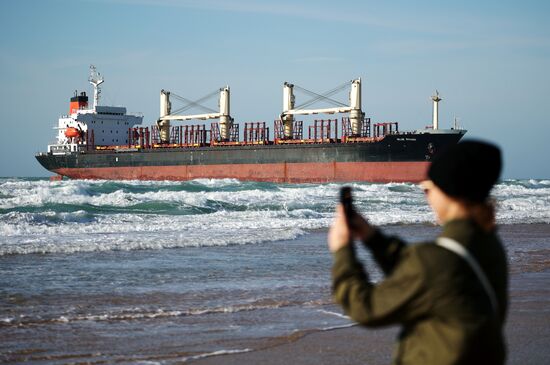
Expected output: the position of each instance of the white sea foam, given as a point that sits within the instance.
(38, 216)
(215, 353)
(523, 202)
(6, 320)
(137, 314)
(336, 314)
(331, 328)
(141, 231)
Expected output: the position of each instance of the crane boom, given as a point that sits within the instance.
(194, 116)
(346, 109)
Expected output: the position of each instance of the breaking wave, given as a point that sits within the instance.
(39, 216)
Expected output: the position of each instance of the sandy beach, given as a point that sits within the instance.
(527, 327)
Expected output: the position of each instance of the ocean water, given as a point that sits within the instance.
(39, 216)
(170, 272)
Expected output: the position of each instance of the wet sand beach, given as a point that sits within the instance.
(527, 326)
(221, 272)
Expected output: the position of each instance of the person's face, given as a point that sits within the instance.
(438, 200)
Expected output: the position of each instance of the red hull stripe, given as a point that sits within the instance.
(277, 172)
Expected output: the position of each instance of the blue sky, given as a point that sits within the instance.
(490, 61)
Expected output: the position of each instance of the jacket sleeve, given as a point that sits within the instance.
(400, 297)
(385, 250)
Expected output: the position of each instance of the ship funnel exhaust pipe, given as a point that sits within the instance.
(435, 113)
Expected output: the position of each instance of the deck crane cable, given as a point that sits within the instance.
(324, 96)
(206, 97)
(191, 104)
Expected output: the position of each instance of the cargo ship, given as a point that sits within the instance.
(106, 142)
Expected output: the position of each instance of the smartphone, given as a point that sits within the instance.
(347, 201)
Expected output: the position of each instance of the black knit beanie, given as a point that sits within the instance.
(467, 170)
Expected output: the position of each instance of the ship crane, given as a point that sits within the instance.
(354, 108)
(166, 113)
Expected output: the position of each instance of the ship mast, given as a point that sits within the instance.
(95, 79)
(435, 113)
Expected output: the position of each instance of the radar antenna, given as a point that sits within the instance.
(95, 79)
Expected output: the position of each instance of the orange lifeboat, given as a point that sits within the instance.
(72, 132)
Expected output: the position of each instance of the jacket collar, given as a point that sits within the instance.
(461, 230)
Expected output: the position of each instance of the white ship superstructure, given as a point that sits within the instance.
(98, 125)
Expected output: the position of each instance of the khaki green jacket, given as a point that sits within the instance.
(445, 313)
